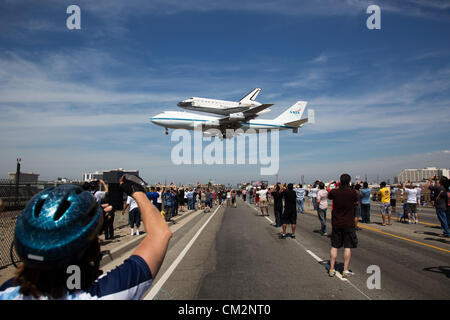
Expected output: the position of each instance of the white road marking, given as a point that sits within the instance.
(269, 219)
(155, 289)
(314, 256)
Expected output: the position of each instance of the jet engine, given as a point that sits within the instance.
(237, 116)
(212, 123)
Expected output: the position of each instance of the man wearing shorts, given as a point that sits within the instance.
(385, 196)
(263, 200)
(343, 223)
(411, 203)
(394, 200)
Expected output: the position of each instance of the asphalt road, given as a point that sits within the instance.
(234, 254)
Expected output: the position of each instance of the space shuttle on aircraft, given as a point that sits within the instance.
(291, 119)
(223, 107)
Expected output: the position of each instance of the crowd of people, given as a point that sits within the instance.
(350, 204)
(60, 226)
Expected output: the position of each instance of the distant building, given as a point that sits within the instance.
(88, 177)
(25, 177)
(420, 175)
(260, 183)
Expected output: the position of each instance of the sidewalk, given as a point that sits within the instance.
(122, 242)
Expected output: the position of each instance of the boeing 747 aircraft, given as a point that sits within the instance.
(289, 119)
(223, 107)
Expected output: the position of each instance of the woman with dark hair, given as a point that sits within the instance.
(289, 215)
(277, 204)
(322, 206)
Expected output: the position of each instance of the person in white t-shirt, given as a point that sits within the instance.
(300, 192)
(159, 200)
(263, 200)
(419, 190)
(322, 206)
(228, 198)
(134, 215)
(313, 194)
(411, 203)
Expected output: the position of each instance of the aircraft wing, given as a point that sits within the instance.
(247, 110)
(251, 113)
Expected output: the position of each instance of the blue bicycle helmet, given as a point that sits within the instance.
(57, 226)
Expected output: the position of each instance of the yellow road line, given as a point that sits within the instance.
(406, 239)
(393, 235)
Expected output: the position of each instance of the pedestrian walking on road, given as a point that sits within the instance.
(289, 215)
(343, 224)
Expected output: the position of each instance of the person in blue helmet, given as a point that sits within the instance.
(59, 228)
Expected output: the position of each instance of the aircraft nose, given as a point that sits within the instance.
(185, 103)
(154, 120)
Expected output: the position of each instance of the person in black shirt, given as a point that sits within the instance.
(289, 215)
(181, 199)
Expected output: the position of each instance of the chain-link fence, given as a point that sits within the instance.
(14, 198)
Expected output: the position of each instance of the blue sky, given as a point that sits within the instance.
(75, 101)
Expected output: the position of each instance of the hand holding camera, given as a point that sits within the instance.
(131, 184)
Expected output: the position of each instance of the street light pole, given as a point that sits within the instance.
(17, 180)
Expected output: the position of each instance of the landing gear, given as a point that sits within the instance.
(167, 131)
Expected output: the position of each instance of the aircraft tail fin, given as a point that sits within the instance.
(250, 97)
(293, 114)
